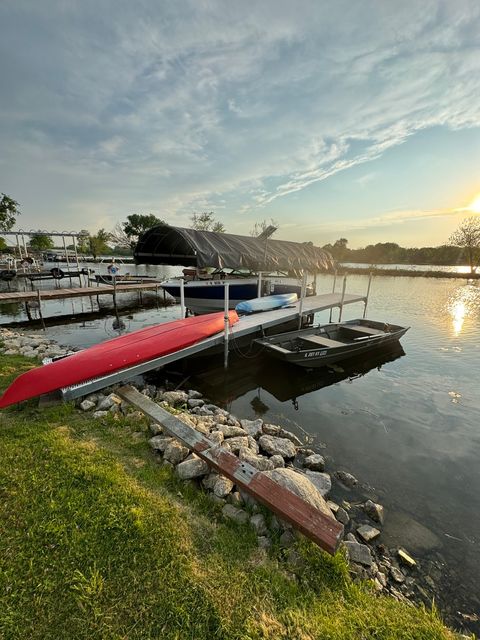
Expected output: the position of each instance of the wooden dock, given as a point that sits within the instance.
(75, 292)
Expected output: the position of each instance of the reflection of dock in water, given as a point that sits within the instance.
(284, 382)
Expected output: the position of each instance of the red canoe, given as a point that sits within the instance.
(113, 355)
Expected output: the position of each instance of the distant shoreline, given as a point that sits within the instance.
(410, 273)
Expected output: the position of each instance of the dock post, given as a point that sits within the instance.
(182, 298)
(67, 258)
(303, 291)
(24, 246)
(333, 291)
(340, 309)
(40, 308)
(368, 293)
(259, 288)
(226, 327)
(76, 260)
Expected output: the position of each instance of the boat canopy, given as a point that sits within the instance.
(164, 244)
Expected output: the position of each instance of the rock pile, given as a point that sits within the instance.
(30, 345)
(281, 455)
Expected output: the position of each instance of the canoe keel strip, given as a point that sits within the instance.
(114, 355)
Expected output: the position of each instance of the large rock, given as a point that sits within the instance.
(322, 482)
(222, 487)
(230, 431)
(258, 523)
(195, 402)
(277, 446)
(277, 461)
(283, 433)
(367, 533)
(108, 402)
(237, 443)
(209, 481)
(193, 468)
(216, 437)
(87, 405)
(252, 427)
(300, 485)
(175, 452)
(375, 511)
(346, 478)
(175, 398)
(160, 443)
(237, 515)
(359, 553)
(262, 463)
(271, 430)
(316, 462)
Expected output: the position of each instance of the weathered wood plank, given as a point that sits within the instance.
(324, 531)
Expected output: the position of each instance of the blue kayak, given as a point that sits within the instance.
(267, 303)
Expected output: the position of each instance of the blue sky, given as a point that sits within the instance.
(337, 119)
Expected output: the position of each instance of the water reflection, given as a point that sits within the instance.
(463, 302)
(282, 381)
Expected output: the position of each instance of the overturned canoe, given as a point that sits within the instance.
(114, 355)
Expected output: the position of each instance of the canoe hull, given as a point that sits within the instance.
(114, 355)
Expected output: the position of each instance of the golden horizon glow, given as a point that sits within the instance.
(474, 206)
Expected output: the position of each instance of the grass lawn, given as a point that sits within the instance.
(99, 541)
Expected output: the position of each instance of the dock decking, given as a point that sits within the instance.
(247, 325)
(74, 292)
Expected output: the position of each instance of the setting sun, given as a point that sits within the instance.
(475, 204)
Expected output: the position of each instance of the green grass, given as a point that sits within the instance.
(99, 541)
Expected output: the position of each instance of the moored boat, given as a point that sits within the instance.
(205, 295)
(330, 343)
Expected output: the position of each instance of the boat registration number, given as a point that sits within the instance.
(316, 354)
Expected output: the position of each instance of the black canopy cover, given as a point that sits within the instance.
(163, 244)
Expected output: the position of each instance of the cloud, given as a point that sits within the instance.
(172, 106)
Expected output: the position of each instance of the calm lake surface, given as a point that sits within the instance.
(408, 429)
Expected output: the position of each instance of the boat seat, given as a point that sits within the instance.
(365, 330)
(320, 341)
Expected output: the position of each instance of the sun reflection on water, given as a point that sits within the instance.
(462, 304)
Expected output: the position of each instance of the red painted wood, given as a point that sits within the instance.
(113, 355)
(322, 529)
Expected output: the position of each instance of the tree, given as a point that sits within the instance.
(8, 212)
(98, 243)
(126, 234)
(467, 236)
(3, 244)
(205, 221)
(41, 243)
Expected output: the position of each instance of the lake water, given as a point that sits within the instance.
(408, 429)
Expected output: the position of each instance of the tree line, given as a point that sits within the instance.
(462, 246)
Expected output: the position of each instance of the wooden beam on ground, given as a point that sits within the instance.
(323, 530)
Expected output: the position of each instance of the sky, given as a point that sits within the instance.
(335, 119)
